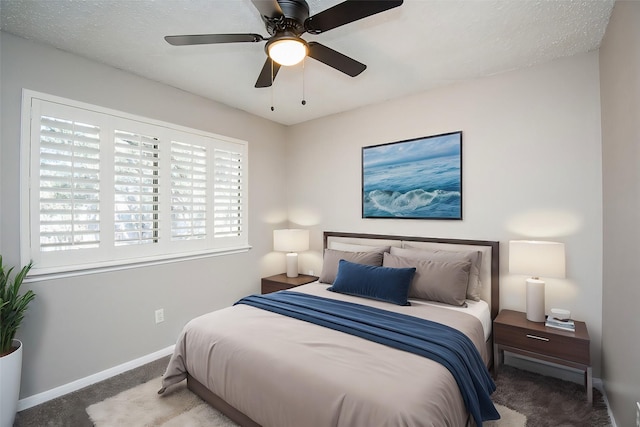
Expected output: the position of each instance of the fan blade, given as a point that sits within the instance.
(265, 79)
(335, 59)
(212, 39)
(268, 8)
(346, 12)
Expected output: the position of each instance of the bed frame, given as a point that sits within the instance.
(491, 265)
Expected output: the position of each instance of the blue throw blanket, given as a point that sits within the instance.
(438, 342)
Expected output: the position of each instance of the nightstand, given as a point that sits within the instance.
(514, 333)
(280, 282)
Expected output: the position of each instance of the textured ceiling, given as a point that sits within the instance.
(415, 47)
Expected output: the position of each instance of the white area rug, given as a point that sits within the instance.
(142, 406)
(508, 418)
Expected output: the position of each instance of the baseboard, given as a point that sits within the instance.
(599, 384)
(602, 388)
(45, 396)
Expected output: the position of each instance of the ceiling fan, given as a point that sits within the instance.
(286, 21)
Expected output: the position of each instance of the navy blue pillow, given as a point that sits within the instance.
(380, 283)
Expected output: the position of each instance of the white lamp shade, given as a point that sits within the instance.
(535, 258)
(290, 240)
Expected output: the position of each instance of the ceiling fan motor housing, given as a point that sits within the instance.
(294, 14)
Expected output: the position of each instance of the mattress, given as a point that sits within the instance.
(284, 372)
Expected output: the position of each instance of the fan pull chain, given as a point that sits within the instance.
(304, 102)
(272, 108)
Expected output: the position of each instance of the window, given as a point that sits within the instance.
(104, 188)
(136, 204)
(228, 193)
(69, 184)
(188, 191)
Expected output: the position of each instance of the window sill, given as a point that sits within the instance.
(37, 275)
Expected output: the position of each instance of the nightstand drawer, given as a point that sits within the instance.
(562, 345)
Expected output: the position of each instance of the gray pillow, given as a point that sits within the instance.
(474, 257)
(332, 257)
(441, 281)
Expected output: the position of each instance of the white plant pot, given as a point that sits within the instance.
(10, 372)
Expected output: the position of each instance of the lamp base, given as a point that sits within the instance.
(292, 264)
(535, 300)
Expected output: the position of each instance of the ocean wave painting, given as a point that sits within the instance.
(418, 178)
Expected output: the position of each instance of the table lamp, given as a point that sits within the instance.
(291, 241)
(536, 259)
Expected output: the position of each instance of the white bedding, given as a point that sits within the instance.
(478, 309)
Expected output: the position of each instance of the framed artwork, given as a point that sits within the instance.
(418, 178)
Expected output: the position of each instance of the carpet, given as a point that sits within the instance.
(549, 401)
(522, 398)
(179, 407)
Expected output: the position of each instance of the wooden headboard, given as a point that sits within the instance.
(489, 273)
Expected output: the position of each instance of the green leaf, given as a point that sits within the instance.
(12, 305)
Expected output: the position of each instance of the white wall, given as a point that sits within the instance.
(531, 168)
(80, 326)
(620, 87)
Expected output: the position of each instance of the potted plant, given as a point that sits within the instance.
(12, 309)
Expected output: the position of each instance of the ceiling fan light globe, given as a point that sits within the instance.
(287, 52)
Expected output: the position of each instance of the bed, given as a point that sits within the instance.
(263, 362)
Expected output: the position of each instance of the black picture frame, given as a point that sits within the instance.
(418, 178)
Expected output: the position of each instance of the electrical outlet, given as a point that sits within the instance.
(637, 414)
(310, 272)
(160, 315)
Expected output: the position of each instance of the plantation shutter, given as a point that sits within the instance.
(69, 184)
(136, 188)
(123, 190)
(229, 193)
(188, 191)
